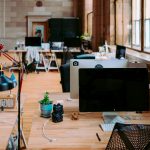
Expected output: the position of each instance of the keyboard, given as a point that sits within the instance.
(107, 126)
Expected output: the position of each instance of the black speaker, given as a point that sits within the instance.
(70, 28)
(61, 28)
(55, 28)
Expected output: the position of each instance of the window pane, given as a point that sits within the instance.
(147, 25)
(137, 32)
(123, 22)
(88, 16)
(119, 22)
(136, 24)
(147, 34)
(127, 23)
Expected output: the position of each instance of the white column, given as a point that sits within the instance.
(4, 15)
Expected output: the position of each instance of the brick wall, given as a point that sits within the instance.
(17, 10)
(1, 18)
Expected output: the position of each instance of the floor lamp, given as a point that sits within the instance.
(10, 83)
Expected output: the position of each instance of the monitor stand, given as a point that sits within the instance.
(112, 118)
(71, 99)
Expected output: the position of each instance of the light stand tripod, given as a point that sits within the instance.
(7, 85)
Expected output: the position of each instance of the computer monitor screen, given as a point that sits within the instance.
(57, 45)
(33, 41)
(113, 89)
(120, 51)
(75, 64)
(72, 42)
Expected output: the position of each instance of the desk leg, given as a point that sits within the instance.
(23, 138)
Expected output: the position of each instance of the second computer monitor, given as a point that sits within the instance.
(33, 41)
(120, 52)
(75, 64)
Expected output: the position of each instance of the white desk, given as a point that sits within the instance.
(43, 51)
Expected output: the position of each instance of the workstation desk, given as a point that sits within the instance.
(44, 51)
(73, 134)
(59, 53)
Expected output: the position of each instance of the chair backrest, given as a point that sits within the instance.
(67, 55)
(85, 56)
(120, 51)
(130, 137)
(65, 77)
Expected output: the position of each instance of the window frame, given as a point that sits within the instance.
(142, 27)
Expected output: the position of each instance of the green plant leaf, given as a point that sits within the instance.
(46, 100)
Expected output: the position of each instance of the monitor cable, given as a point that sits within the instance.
(44, 134)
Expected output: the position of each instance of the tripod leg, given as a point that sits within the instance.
(23, 138)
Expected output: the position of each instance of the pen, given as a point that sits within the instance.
(98, 137)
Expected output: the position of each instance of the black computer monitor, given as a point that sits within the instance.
(113, 89)
(72, 42)
(33, 41)
(120, 51)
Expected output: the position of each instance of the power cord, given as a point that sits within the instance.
(44, 135)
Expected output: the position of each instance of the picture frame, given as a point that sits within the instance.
(40, 27)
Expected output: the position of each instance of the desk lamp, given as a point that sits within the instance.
(10, 83)
(5, 82)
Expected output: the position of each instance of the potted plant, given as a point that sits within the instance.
(86, 41)
(85, 37)
(46, 106)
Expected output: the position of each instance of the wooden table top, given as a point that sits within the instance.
(73, 134)
(7, 123)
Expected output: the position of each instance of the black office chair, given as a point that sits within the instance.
(65, 77)
(129, 137)
(120, 51)
(85, 56)
(67, 55)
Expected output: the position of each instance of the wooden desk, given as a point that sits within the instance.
(72, 134)
(7, 123)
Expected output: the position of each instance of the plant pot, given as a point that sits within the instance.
(46, 110)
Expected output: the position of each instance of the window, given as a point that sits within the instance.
(88, 16)
(147, 26)
(136, 24)
(133, 24)
(123, 23)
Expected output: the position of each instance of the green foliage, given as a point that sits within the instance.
(46, 100)
(85, 36)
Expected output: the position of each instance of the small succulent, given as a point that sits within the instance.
(46, 100)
